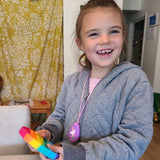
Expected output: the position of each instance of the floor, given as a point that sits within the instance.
(153, 150)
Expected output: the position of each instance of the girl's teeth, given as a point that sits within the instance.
(104, 52)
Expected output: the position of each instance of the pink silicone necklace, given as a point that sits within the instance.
(74, 132)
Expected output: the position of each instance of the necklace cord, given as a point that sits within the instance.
(81, 109)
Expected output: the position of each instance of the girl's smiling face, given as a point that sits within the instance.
(101, 38)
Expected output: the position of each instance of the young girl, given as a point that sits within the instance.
(104, 112)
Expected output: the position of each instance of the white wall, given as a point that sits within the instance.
(132, 4)
(71, 10)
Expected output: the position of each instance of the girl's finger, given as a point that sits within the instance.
(45, 134)
(55, 148)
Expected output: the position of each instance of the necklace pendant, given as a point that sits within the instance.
(74, 132)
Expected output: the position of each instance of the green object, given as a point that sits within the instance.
(156, 106)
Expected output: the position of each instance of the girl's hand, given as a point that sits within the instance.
(54, 148)
(43, 133)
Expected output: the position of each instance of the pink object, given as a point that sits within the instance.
(74, 132)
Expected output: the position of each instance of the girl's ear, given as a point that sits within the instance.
(79, 45)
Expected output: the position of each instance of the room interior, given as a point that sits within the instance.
(47, 60)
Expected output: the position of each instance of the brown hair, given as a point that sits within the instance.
(91, 4)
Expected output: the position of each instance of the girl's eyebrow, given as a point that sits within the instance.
(91, 30)
(116, 27)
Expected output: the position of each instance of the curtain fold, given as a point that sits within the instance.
(31, 49)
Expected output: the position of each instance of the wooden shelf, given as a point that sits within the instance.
(43, 106)
(39, 106)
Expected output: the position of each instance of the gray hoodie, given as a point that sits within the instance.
(117, 121)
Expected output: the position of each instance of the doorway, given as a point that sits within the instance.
(136, 35)
(137, 42)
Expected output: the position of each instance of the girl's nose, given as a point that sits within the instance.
(105, 39)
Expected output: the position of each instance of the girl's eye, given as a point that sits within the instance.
(93, 35)
(115, 31)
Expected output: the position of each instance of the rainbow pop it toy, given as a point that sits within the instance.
(37, 142)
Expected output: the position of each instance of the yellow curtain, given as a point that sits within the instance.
(31, 55)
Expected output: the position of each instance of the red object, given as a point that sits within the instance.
(43, 102)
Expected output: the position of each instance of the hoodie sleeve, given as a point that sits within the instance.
(55, 122)
(73, 152)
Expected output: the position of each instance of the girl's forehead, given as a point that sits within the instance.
(103, 9)
(102, 15)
